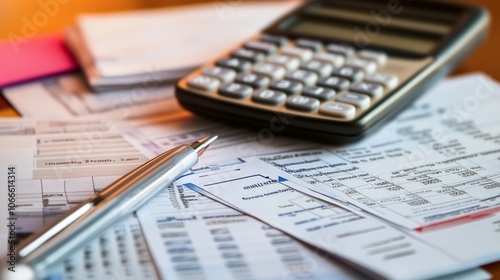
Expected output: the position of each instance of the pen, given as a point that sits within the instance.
(48, 247)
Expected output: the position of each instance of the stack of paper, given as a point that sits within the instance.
(127, 49)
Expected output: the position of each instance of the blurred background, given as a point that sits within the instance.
(13, 13)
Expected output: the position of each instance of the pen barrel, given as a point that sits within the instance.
(97, 214)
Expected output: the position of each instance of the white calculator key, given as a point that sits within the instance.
(270, 70)
(387, 80)
(289, 62)
(359, 100)
(225, 75)
(302, 54)
(367, 66)
(379, 57)
(346, 51)
(336, 60)
(373, 90)
(321, 68)
(337, 109)
(307, 78)
(204, 83)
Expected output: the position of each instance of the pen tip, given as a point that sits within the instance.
(201, 145)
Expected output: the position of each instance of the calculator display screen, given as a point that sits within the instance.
(394, 24)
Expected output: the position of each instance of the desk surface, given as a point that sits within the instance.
(484, 59)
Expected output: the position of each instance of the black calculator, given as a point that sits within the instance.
(335, 70)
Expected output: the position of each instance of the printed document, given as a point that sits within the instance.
(367, 243)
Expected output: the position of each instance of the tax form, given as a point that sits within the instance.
(371, 245)
(194, 237)
(434, 165)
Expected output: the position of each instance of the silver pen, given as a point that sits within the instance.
(50, 246)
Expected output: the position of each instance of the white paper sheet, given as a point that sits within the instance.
(194, 237)
(368, 243)
(430, 166)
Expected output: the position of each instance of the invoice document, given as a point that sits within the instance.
(370, 244)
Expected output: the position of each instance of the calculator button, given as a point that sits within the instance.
(274, 72)
(379, 57)
(367, 66)
(250, 55)
(309, 44)
(225, 75)
(344, 50)
(267, 48)
(321, 68)
(387, 80)
(373, 90)
(357, 99)
(302, 54)
(280, 41)
(204, 83)
(335, 59)
(235, 90)
(336, 83)
(268, 96)
(320, 93)
(253, 80)
(350, 73)
(337, 109)
(289, 62)
(302, 103)
(307, 78)
(287, 86)
(234, 63)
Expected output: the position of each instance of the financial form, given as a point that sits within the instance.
(369, 244)
(194, 237)
(432, 165)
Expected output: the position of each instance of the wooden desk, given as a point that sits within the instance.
(485, 59)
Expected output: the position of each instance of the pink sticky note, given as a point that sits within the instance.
(37, 57)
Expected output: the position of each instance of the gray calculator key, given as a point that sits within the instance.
(307, 78)
(336, 60)
(336, 83)
(277, 40)
(253, 80)
(373, 90)
(235, 90)
(379, 57)
(205, 83)
(273, 71)
(269, 97)
(225, 75)
(350, 73)
(367, 66)
(359, 100)
(265, 47)
(287, 86)
(387, 80)
(289, 62)
(237, 64)
(337, 109)
(249, 55)
(321, 68)
(302, 54)
(302, 103)
(309, 44)
(320, 93)
(346, 51)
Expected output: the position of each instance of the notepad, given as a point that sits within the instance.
(127, 49)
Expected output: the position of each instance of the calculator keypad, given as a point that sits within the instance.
(305, 76)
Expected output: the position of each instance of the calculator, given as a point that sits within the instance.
(335, 70)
